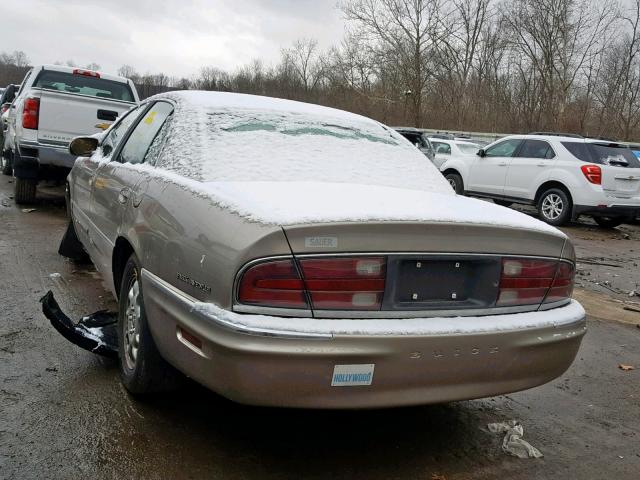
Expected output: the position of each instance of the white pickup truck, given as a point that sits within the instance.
(54, 105)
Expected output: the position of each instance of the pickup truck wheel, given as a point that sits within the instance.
(142, 368)
(609, 222)
(554, 207)
(25, 190)
(455, 180)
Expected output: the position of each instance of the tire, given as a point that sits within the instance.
(25, 191)
(609, 222)
(503, 203)
(455, 180)
(7, 168)
(142, 368)
(554, 207)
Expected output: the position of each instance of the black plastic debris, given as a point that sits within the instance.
(97, 332)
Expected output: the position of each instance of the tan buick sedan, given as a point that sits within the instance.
(294, 255)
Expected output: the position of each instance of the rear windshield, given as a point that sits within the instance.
(602, 154)
(84, 85)
(414, 138)
(262, 145)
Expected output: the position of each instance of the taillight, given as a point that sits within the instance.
(353, 283)
(273, 284)
(30, 113)
(593, 173)
(86, 73)
(530, 282)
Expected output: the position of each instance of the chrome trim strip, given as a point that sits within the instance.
(30, 144)
(390, 314)
(278, 312)
(189, 303)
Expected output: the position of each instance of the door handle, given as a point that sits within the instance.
(123, 196)
(542, 164)
(502, 164)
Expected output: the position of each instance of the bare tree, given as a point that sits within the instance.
(556, 38)
(403, 31)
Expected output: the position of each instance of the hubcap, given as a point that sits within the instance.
(452, 182)
(132, 325)
(552, 206)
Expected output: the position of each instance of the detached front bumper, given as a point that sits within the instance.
(269, 361)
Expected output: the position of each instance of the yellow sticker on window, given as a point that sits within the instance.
(150, 118)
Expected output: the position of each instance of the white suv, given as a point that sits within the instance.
(563, 176)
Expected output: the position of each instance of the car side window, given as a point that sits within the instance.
(137, 145)
(505, 148)
(444, 148)
(119, 130)
(536, 149)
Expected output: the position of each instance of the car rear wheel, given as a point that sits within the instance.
(609, 222)
(142, 369)
(455, 180)
(554, 207)
(25, 190)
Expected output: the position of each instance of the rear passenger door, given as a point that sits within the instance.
(488, 174)
(115, 184)
(528, 169)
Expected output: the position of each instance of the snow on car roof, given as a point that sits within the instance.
(283, 162)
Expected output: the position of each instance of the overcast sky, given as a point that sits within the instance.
(176, 37)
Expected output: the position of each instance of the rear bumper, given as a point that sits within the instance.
(32, 156)
(627, 211)
(263, 360)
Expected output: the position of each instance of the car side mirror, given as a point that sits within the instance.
(481, 153)
(83, 146)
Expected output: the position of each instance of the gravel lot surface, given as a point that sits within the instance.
(64, 415)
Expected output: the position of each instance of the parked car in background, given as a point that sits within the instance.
(6, 98)
(446, 149)
(564, 176)
(330, 268)
(419, 139)
(55, 104)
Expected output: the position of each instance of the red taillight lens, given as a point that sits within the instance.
(273, 284)
(345, 283)
(593, 173)
(530, 282)
(331, 284)
(562, 287)
(86, 73)
(30, 113)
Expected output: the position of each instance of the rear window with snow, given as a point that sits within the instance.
(84, 85)
(211, 144)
